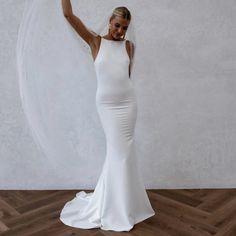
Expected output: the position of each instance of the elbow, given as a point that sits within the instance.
(67, 15)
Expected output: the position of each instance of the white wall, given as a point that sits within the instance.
(186, 90)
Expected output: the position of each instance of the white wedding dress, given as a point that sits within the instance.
(119, 200)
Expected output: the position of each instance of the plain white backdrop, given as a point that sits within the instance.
(186, 91)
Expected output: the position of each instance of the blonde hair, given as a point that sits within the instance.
(121, 11)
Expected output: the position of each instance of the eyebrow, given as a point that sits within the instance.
(119, 24)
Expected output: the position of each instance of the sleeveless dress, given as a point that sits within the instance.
(119, 199)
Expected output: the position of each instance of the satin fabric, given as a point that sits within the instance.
(119, 200)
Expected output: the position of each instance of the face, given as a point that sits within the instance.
(118, 27)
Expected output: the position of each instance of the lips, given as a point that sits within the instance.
(118, 36)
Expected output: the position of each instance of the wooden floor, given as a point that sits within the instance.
(198, 212)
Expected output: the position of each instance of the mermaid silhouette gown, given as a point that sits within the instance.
(119, 199)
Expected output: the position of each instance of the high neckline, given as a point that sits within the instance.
(114, 40)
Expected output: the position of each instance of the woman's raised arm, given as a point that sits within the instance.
(76, 23)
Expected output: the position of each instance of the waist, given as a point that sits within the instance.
(113, 93)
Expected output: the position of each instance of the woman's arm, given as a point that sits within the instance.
(130, 49)
(76, 23)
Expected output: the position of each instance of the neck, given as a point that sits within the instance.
(109, 37)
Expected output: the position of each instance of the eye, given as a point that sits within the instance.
(117, 25)
(125, 28)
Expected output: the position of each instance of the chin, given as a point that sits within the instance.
(117, 37)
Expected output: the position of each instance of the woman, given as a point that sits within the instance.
(119, 200)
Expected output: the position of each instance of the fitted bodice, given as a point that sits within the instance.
(112, 70)
(112, 59)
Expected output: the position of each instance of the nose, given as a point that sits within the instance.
(120, 30)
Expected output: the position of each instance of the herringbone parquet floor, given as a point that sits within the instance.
(197, 212)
